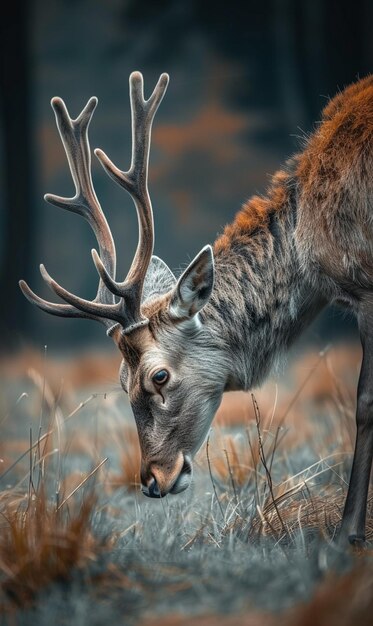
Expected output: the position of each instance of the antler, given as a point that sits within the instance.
(135, 181)
(74, 135)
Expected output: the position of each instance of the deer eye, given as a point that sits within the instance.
(160, 377)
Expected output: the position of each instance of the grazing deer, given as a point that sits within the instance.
(221, 324)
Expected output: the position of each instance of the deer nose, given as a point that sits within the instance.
(151, 489)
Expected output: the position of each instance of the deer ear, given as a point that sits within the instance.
(123, 375)
(194, 286)
(159, 279)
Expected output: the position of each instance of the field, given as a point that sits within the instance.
(250, 543)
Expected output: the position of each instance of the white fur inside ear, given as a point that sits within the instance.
(186, 291)
(176, 312)
(194, 287)
(159, 279)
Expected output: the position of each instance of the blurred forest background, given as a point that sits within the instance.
(248, 81)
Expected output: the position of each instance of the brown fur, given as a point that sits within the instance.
(333, 178)
(255, 212)
(335, 175)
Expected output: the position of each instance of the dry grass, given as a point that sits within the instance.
(233, 460)
(254, 492)
(294, 502)
(340, 601)
(270, 428)
(63, 376)
(41, 543)
(45, 518)
(129, 460)
(252, 619)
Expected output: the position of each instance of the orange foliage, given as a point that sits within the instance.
(212, 130)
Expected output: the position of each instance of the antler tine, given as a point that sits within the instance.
(135, 181)
(94, 309)
(74, 136)
(110, 283)
(61, 310)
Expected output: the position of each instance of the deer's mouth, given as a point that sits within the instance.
(184, 479)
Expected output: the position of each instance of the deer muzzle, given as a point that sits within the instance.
(159, 479)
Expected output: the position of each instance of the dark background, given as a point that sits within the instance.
(248, 80)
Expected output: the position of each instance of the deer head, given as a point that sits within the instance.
(170, 368)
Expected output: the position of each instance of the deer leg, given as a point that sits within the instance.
(354, 514)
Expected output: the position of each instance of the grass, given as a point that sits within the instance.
(249, 543)
(41, 544)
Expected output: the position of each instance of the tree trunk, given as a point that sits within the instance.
(18, 221)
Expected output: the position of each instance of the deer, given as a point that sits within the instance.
(241, 302)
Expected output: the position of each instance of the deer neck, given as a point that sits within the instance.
(261, 299)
